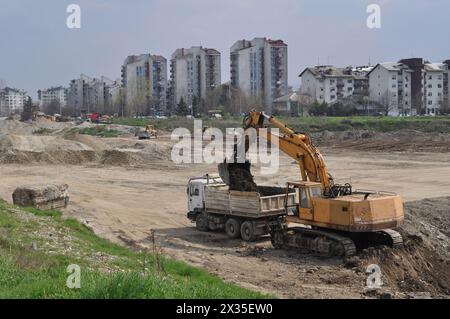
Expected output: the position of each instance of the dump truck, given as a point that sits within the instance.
(247, 215)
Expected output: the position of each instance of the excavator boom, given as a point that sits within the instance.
(297, 145)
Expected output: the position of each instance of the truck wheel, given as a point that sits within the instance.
(248, 231)
(201, 222)
(233, 228)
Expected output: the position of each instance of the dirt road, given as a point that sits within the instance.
(124, 203)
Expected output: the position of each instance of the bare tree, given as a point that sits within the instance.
(387, 104)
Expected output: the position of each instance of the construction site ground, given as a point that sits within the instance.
(123, 189)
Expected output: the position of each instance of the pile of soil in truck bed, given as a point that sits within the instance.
(241, 179)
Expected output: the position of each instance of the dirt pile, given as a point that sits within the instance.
(21, 128)
(399, 141)
(424, 263)
(77, 150)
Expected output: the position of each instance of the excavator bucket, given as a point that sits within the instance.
(237, 176)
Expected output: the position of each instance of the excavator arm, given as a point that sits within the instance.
(296, 145)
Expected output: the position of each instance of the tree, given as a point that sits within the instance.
(182, 108)
(386, 103)
(195, 106)
(318, 109)
(28, 109)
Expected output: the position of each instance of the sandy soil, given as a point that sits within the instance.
(125, 204)
(125, 199)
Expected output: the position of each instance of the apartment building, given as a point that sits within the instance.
(390, 85)
(259, 69)
(433, 87)
(361, 79)
(47, 96)
(194, 72)
(77, 93)
(327, 84)
(446, 65)
(144, 78)
(11, 101)
(87, 94)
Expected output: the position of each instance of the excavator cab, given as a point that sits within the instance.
(303, 207)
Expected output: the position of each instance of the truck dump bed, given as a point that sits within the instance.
(268, 201)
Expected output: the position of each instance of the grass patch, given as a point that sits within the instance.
(99, 131)
(37, 246)
(44, 131)
(439, 124)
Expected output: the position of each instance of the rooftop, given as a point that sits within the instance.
(327, 71)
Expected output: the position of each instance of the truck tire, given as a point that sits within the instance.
(201, 222)
(233, 228)
(248, 231)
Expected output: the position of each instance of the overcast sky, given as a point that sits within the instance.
(37, 50)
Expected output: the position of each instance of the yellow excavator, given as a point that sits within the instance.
(330, 219)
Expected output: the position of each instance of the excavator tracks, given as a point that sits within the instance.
(331, 244)
(322, 242)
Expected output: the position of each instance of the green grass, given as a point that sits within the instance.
(311, 124)
(37, 246)
(44, 131)
(99, 130)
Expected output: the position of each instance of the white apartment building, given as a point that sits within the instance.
(194, 72)
(390, 86)
(433, 87)
(144, 78)
(327, 84)
(11, 101)
(47, 96)
(259, 69)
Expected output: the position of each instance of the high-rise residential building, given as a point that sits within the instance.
(433, 87)
(259, 69)
(327, 84)
(47, 96)
(87, 94)
(144, 78)
(390, 85)
(77, 94)
(11, 101)
(194, 72)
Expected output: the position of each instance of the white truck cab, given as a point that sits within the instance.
(196, 190)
